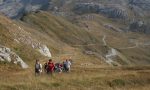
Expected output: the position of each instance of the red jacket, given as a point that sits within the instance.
(51, 66)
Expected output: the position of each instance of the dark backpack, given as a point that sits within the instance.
(45, 66)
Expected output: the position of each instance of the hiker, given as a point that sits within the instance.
(64, 66)
(67, 65)
(58, 67)
(46, 67)
(50, 67)
(38, 68)
(71, 61)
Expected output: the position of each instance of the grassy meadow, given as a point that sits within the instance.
(80, 78)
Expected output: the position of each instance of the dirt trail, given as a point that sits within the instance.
(137, 44)
(104, 37)
(112, 53)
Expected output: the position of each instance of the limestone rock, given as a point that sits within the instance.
(9, 56)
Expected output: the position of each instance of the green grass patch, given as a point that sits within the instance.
(56, 84)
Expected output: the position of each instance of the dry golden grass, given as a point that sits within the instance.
(80, 78)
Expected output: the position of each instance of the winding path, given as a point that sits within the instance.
(136, 46)
(112, 53)
(104, 41)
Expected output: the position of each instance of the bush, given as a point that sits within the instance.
(117, 82)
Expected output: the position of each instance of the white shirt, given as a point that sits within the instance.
(68, 64)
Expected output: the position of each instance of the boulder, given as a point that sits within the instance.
(9, 56)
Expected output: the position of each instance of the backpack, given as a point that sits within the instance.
(37, 66)
(45, 66)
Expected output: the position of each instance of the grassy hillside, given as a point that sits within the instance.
(67, 39)
(120, 40)
(60, 28)
(74, 38)
(63, 34)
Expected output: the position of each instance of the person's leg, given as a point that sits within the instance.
(45, 70)
(68, 69)
(60, 70)
(48, 71)
(55, 69)
(36, 72)
(63, 69)
(51, 72)
(40, 72)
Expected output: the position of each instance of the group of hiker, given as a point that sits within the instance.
(50, 67)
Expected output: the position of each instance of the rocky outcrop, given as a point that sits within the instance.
(23, 37)
(139, 26)
(114, 12)
(143, 4)
(109, 26)
(43, 49)
(109, 11)
(9, 56)
(140, 7)
(17, 8)
(111, 54)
